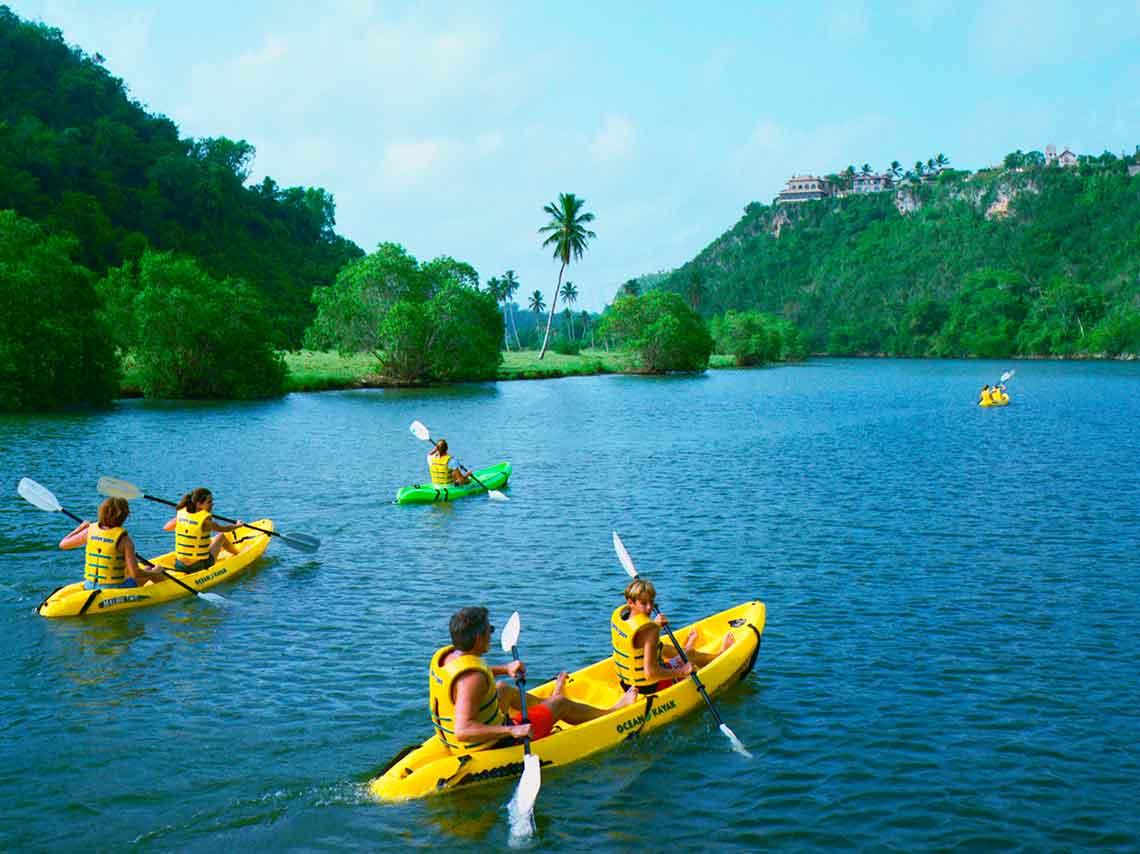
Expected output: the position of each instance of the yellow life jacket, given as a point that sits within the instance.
(629, 660)
(105, 566)
(986, 396)
(440, 473)
(191, 539)
(441, 679)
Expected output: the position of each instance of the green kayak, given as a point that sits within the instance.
(492, 477)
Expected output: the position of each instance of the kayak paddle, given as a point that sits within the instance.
(421, 432)
(737, 745)
(43, 498)
(124, 489)
(521, 808)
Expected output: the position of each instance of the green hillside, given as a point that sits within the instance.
(78, 156)
(1025, 260)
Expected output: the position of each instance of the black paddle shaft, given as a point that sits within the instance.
(520, 683)
(696, 679)
(215, 515)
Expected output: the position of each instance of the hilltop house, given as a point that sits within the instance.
(870, 183)
(1065, 158)
(804, 188)
(1133, 171)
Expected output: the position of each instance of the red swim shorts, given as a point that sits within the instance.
(541, 720)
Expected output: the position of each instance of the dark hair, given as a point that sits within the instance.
(194, 499)
(441, 446)
(466, 626)
(113, 512)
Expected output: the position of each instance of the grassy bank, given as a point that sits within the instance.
(311, 370)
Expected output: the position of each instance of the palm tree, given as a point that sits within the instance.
(585, 316)
(896, 168)
(569, 297)
(930, 165)
(942, 160)
(495, 288)
(568, 234)
(919, 169)
(537, 303)
(568, 322)
(630, 288)
(866, 170)
(510, 288)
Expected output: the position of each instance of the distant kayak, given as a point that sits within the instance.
(72, 600)
(995, 401)
(493, 477)
(431, 767)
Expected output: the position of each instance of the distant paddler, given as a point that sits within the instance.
(445, 470)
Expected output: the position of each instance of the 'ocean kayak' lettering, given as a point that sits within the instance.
(633, 723)
(107, 603)
(211, 577)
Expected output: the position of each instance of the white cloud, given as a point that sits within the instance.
(615, 141)
(407, 162)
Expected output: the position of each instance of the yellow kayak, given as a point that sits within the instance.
(431, 767)
(1003, 400)
(72, 600)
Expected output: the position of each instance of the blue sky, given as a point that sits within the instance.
(447, 126)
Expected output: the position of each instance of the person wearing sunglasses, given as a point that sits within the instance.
(471, 710)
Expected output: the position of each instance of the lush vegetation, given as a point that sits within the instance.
(79, 157)
(756, 338)
(1027, 260)
(421, 323)
(189, 335)
(55, 346)
(660, 331)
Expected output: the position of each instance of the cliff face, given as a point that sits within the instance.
(878, 261)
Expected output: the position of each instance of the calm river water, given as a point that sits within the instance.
(950, 659)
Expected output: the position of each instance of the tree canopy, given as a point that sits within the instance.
(421, 322)
(55, 347)
(78, 156)
(661, 331)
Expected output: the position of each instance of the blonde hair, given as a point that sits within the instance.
(113, 512)
(641, 590)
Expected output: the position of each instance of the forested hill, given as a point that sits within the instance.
(1027, 260)
(78, 155)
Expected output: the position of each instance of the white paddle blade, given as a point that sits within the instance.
(737, 744)
(521, 808)
(420, 431)
(301, 542)
(510, 636)
(495, 495)
(116, 488)
(216, 598)
(624, 557)
(38, 495)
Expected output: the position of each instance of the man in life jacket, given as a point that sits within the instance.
(986, 395)
(640, 658)
(471, 711)
(110, 553)
(445, 471)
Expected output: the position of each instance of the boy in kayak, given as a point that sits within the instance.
(193, 523)
(985, 394)
(640, 658)
(444, 470)
(471, 711)
(110, 559)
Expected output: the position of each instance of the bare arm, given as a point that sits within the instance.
(130, 557)
(171, 525)
(77, 538)
(468, 690)
(650, 635)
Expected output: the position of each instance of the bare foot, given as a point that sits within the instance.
(559, 684)
(728, 641)
(626, 698)
(691, 641)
